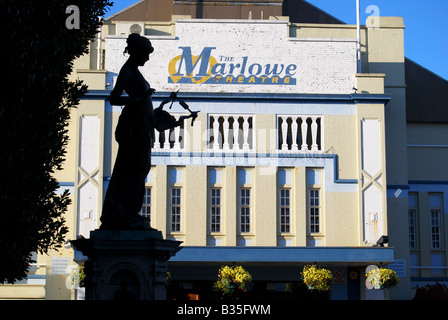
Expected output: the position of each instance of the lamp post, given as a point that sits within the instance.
(358, 30)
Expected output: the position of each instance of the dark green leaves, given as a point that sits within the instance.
(37, 54)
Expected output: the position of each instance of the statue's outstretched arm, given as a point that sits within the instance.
(172, 97)
(164, 121)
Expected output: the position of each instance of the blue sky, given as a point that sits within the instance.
(426, 33)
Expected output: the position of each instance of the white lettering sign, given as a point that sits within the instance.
(244, 57)
(399, 266)
(60, 265)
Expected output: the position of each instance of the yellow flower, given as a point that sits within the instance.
(232, 278)
(317, 278)
(383, 278)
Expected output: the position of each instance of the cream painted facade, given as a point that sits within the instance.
(427, 201)
(313, 172)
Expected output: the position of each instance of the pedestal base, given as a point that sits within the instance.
(126, 265)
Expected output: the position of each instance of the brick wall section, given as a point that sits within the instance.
(323, 66)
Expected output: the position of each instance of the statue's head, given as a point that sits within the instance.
(139, 48)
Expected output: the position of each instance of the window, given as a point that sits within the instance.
(215, 210)
(314, 213)
(146, 207)
(412, 220)
(245, 210)
(435, 229)
(412, 227)
(175, 209)
(435, 202)
(285, 222)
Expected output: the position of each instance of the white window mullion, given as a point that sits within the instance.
(314, 211)
(245, 218)
(215, 210)
(176, 209)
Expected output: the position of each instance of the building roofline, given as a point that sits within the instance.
(324, 12)
(425, 69)
(251, 21)
(123, 10)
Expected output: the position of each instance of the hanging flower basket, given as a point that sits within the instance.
(232, 280)
(382, 278)
(317, 278)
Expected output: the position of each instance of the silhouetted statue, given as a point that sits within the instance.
(135, 136)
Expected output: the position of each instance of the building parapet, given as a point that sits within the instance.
(351, 97)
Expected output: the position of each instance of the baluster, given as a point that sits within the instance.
(294, 126)
(216, 133)
(225, 144)
(176, 145)
(246, 133)
(236, 131)
(166, 144)
(183, 134)
(304, 128)
(156, 140)
(314, 146)
(285, 133)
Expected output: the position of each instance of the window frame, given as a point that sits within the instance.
(436, 235)
(245, 211)
(312, 209)
(285, 210)
(146, 205)
(413, 222)
(176, 209)
(215, 210)
(436, 223)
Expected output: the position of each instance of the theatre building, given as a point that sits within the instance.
(298, 155)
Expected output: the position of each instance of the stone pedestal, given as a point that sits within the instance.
(126, 265)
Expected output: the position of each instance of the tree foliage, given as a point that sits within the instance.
(37, 54)
(432, 292)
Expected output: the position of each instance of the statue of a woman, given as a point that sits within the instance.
(135, 136)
